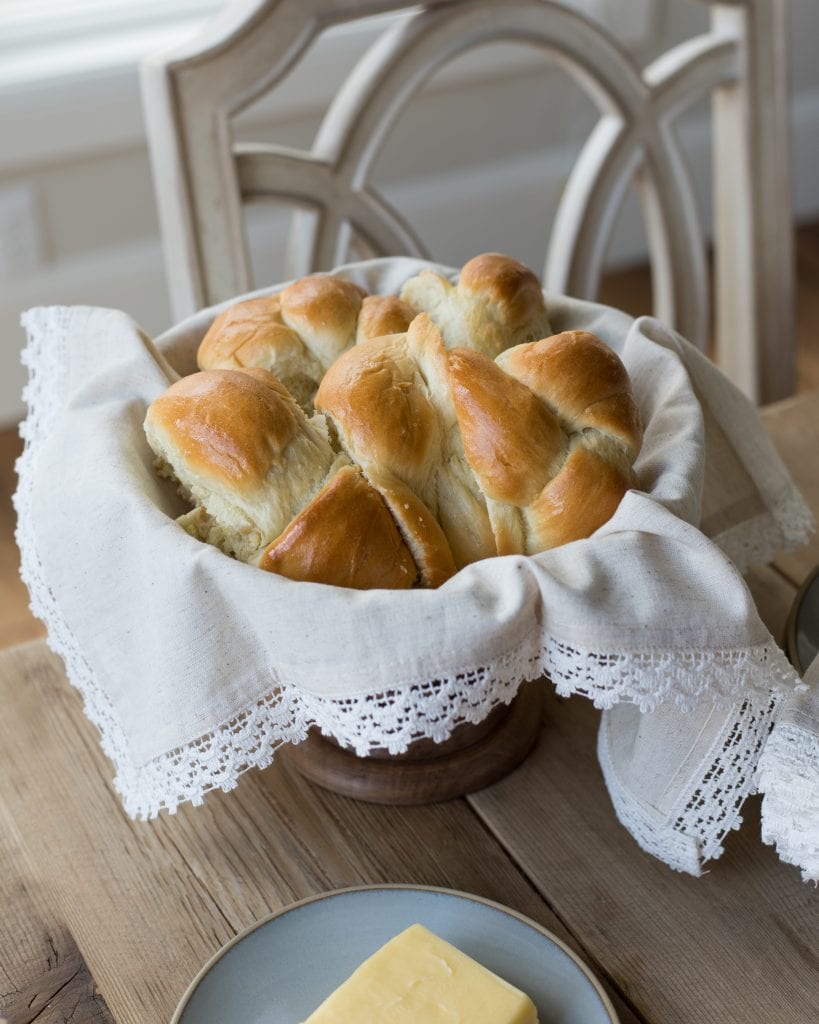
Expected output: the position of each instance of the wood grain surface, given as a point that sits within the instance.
(17, 624)
(43, 976)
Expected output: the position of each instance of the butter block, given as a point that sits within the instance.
(418, 978)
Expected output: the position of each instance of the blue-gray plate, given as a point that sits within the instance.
(280, 969)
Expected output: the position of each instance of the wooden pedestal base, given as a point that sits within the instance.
(473, 757)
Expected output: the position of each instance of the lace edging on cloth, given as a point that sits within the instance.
(755, 542)
(695, 832)
(46, 360)
(788, 778)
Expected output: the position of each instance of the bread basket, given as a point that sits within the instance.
(196, 667)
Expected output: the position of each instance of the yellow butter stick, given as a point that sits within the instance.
(418, 978)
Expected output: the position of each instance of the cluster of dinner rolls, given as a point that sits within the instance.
(383, 441)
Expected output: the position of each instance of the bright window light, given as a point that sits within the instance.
(34, 22)
(41, 40)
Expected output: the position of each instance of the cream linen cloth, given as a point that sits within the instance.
(788, 776)
(196, 667)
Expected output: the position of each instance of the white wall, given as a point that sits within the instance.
(478, 164)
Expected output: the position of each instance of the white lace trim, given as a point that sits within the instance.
(216, 760)
(431, 710)
(694, 833)
(45, 358)
(755, 542)
(788, 777)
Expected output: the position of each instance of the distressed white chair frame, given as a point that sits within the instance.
(203, 178)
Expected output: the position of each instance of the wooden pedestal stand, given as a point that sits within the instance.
(473, 757)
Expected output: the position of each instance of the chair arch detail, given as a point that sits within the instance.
(192, 96)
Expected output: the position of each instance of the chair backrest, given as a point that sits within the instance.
(203, 177)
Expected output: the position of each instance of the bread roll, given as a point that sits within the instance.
(300, 331)
(243, 451)
(346, 537)
(497, 303)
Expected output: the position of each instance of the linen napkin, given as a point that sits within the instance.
(196, 667)
(678, 781)
(789, 779)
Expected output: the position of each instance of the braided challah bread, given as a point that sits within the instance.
(437, 439)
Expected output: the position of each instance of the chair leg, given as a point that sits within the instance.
(754, 294)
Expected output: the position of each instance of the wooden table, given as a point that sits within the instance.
(107, 919)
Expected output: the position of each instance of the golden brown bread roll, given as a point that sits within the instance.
(244, 452)
(496, 304)
(346, 537)
(423, 456)
(300, 331)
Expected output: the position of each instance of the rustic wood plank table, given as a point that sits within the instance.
(105, 919)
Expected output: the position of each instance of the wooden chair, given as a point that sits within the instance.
(203, 178)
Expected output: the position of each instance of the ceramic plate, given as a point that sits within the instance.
(279, 970)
